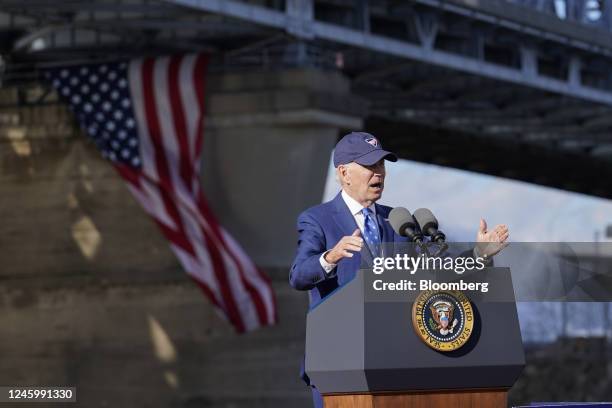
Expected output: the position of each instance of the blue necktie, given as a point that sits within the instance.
(370, 231)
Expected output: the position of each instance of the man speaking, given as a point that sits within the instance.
(333, 235)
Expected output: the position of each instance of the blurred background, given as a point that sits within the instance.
(498, 109)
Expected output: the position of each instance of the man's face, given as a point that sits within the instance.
(364, 183)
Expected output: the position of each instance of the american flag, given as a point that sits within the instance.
(146, 116)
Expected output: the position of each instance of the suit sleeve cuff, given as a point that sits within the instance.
(488, 260)
(327, 267)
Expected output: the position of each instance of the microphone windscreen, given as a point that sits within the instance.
(425, 219)
(400, 218)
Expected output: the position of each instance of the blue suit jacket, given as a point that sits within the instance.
(320, 228)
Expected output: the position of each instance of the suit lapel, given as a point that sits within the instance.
(383, 224)
(343, 216)
(386, 231)
(346, 223)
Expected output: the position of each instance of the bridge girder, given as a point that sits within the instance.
(493, 68)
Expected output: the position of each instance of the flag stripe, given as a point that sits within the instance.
(189, 217)
(234, 277)
(220, 272)
(180, 126)
(129, 175)
(152, 119)
(189, 102)
(163, 116)
(182, 246)
(200, 85)
(147, 195)
(178, 239)
(148, 89)
(155, 133)
(259, 282)
(207, 291)
(252, 285)
(205, 271)
(145, 145)
(266, 313)
(215, 230)
(193, 268)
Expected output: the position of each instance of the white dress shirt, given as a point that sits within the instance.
(355, 208)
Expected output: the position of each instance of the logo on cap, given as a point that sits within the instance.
(372, 141)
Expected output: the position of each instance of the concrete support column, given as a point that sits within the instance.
(267, 144)
(529, 61)
(574, 71)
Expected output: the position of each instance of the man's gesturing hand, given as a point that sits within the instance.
(490, 242)
(343, 248)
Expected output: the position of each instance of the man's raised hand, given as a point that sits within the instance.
(345, 247)
(490, 242)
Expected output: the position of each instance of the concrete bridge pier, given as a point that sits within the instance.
(267, 145)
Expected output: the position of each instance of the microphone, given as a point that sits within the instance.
(429, 225)
(404, 225)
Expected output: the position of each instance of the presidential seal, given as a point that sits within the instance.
(444, 320)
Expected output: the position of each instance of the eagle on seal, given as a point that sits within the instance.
(442, 312)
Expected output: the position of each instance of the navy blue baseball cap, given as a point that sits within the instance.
(361, 148)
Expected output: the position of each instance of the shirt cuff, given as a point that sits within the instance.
(488, 260)
(327, 267)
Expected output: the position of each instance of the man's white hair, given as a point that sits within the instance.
(338, 178)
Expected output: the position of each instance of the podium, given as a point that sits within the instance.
(363, 351)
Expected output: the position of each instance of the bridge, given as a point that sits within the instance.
(530, 77)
